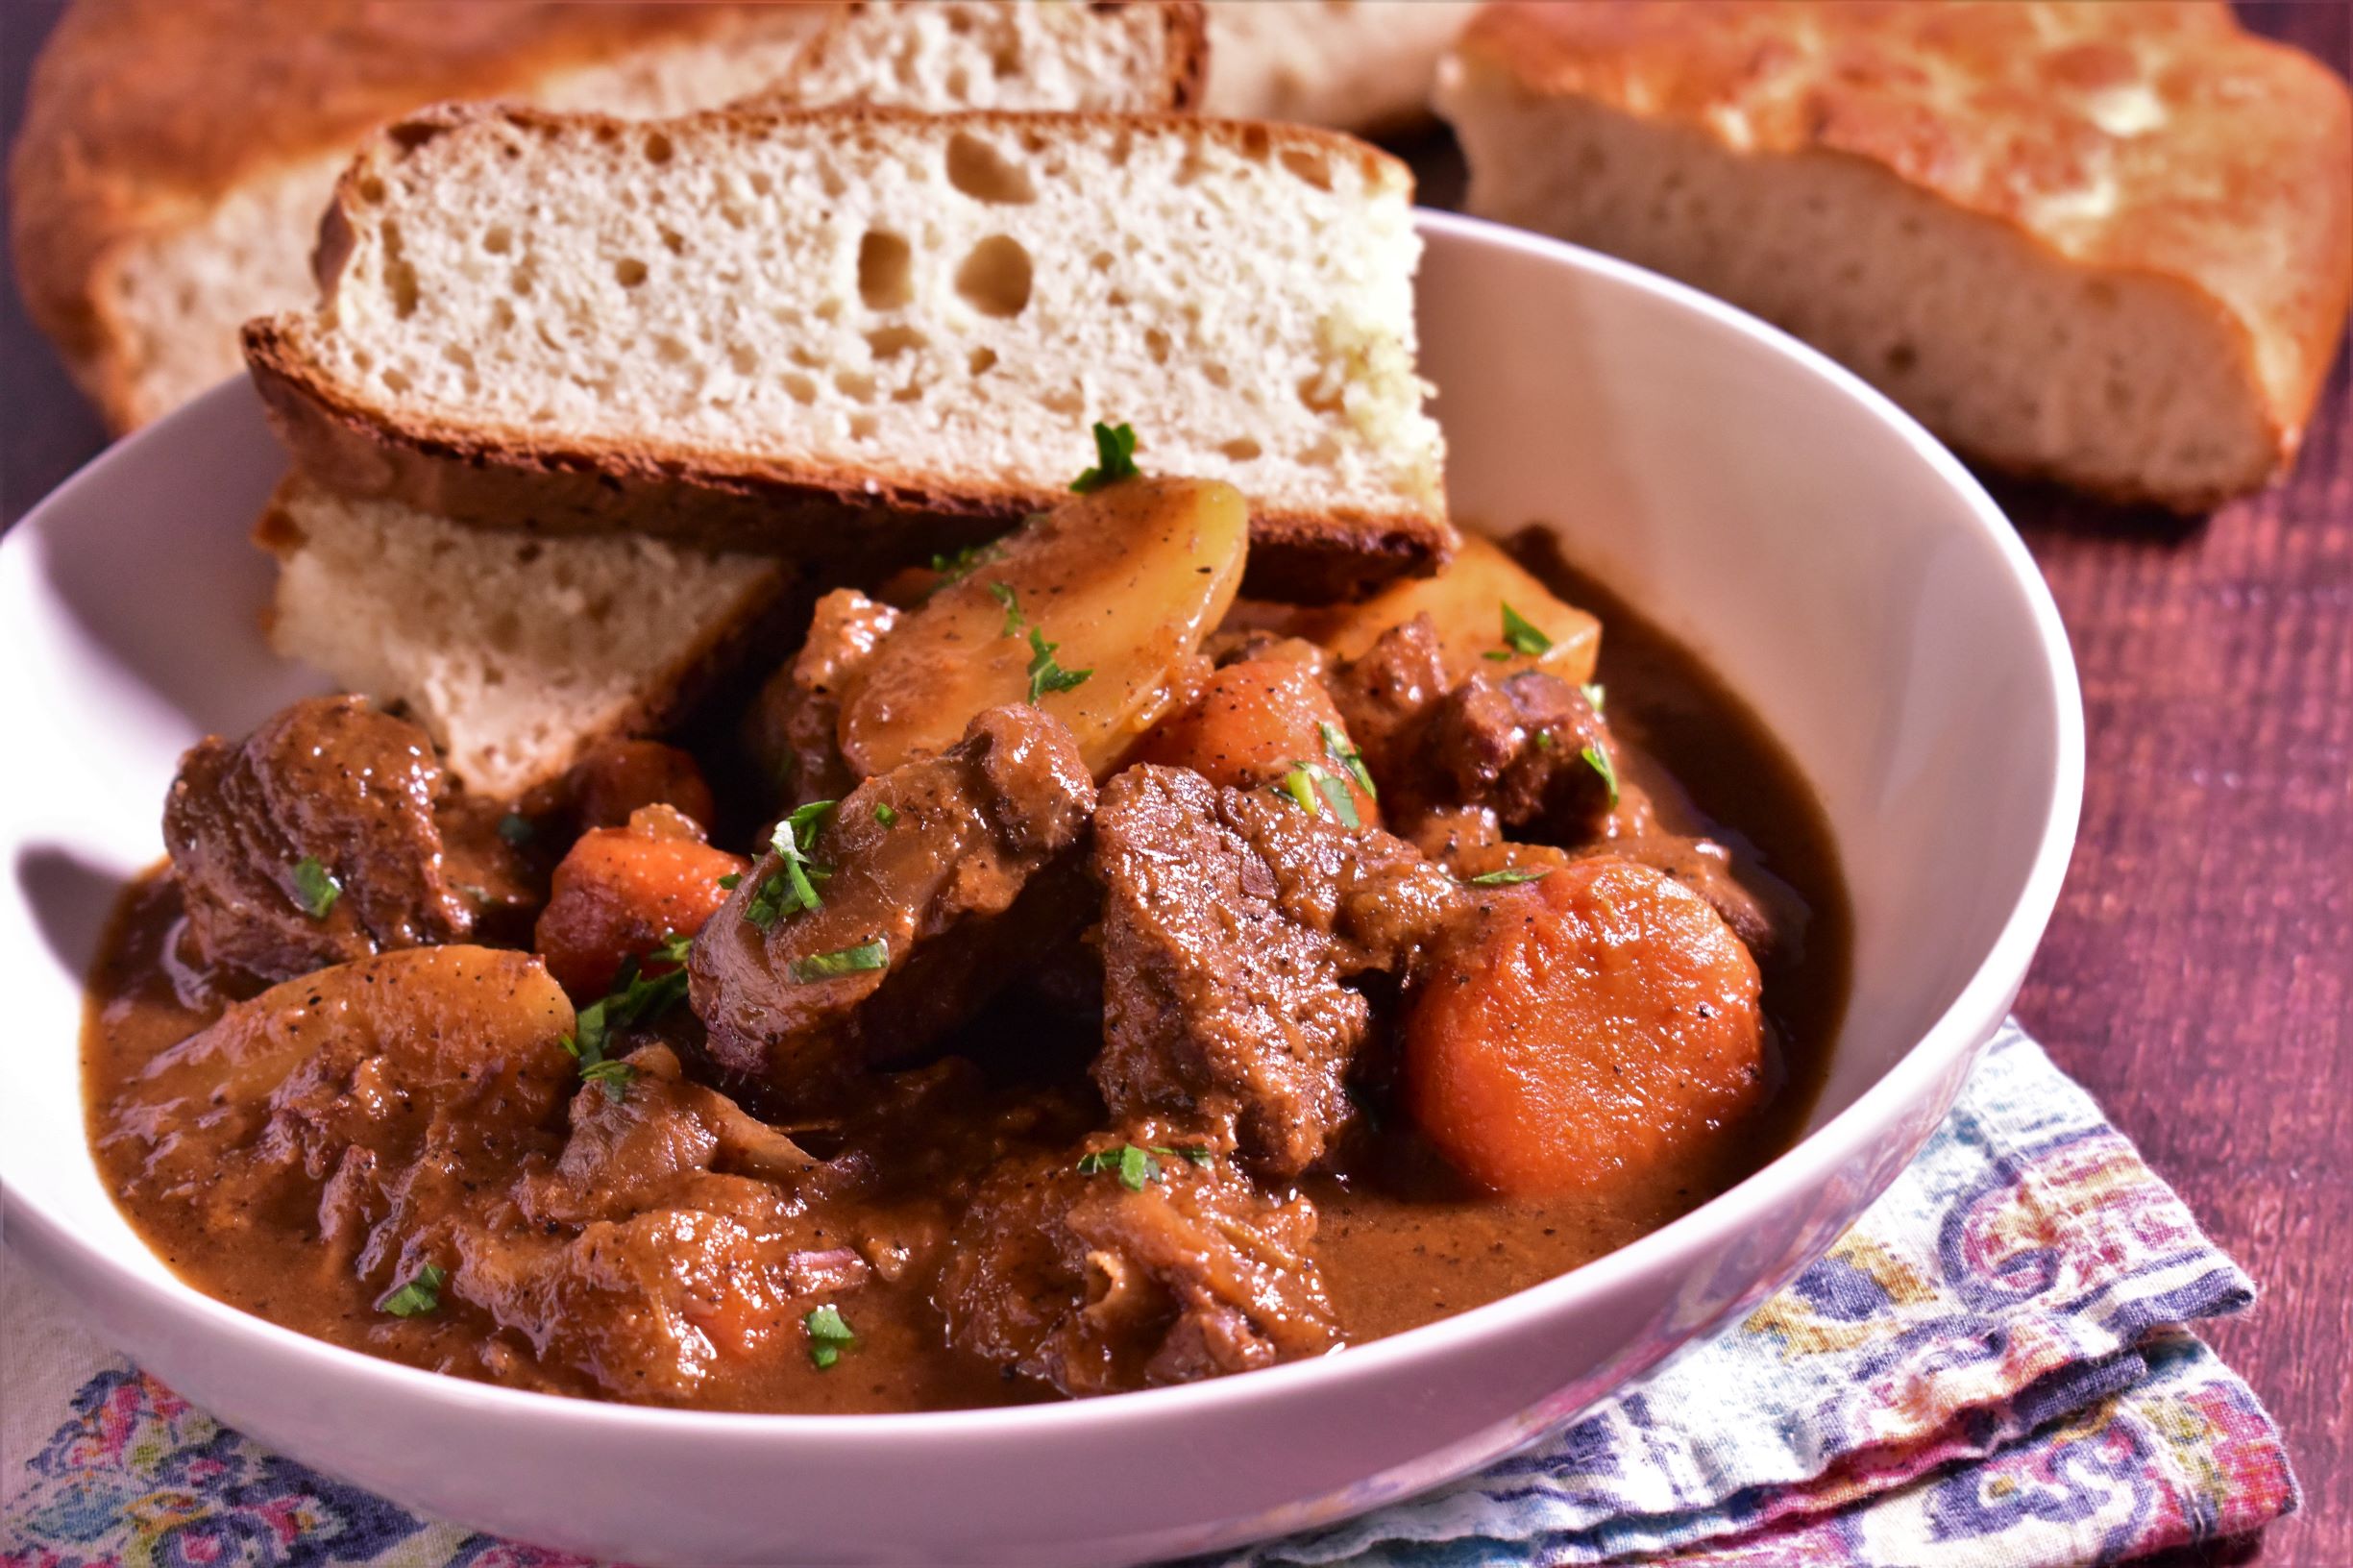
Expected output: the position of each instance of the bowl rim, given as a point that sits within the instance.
(1965, 1024)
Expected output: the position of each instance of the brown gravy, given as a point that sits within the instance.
(1401, 1241)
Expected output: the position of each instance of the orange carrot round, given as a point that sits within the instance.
(621, 891)
(1255, 722)
(1591, 1025)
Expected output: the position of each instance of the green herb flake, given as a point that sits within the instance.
(732, 880)
(1351, 759)
(315, 888)
(1510, 876)
(1136, 1167)
(883, 813)
(793, 839)
(1199, 1156)
(867, 955)
(960, 564)
(1591, 691)
(418, 1295)
(1300, 785)
(1521, 635)
(1044, 675)
(1003, 594)
(828, 1336)
(768, 903)
(1599, 761)
(1335, 791)
(517, 829)
(1115, 459)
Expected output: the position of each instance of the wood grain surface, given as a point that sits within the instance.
(2198, 976)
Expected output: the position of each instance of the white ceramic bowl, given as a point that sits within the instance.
(1838, 567)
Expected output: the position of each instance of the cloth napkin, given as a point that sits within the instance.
(1990, 1368)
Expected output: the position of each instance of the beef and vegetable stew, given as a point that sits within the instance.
(1058, 978)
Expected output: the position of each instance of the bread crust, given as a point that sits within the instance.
(2152, 140)
(811, 512)
(122, 140)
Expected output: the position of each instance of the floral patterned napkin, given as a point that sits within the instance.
(1990, 1368)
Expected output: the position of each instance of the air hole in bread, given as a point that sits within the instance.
(1312, 168)
(629, 272)
(458, 354)
(502, 314)
(862, 426)
(854, 385)
(886, 272)
(669, 350)
(994, 279)
(1066, 400)
(911, 392)
(396, 381)
(371, 190)
(673, 241)
(1005, 58)
(885, 342)
(658, 149)
(798, 387)
(762, 185)
(1155, 344)
(498, 240)
(1321, 392)
(1101, 260)
(985, 175)
(1241, 450)
(980, 360)
(1217, 374)
(1256, 145)
(959, 85)
(743, 360)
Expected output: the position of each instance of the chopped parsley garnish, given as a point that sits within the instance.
(633, 999)
(1135, 1166)
(732, 880)
(961, 563)
(1350, 759)
(1003, 594)
(867, 955)
(883, 813)
(1599, 761)
(1510, 876)
(1546, 741)
(1591, 692)
(1044, 675)
(517, 829)
(1312, 786)
(1198, 1156)
(419, 1294)
(1521, 635)
(315, 888)
(793, 887)
(1115, 459)
(828, 1335)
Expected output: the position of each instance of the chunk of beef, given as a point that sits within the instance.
(948, 864)
(332, 783)
(1066, 1273)
(1458, 763)
(794, 727)
(1231, 920)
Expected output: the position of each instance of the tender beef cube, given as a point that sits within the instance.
(1458, 763)
(1387, 694)
(1516, 746)
(948, 863)
(794, 728)
(1231, 920)
(329, 781)
(1064, 1272)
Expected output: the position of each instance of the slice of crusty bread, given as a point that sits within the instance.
(176, 154)
(1361, 66)
(2108, 244)
(516, 654)
(755, 328)
(1088, 55)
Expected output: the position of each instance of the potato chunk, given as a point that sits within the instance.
(1122, 583)
(1465, 603)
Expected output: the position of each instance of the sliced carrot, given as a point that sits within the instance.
(1257, 721)
(621, 891)
(1591, 1026)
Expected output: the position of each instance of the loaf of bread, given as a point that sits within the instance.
(760, 329)
(514, 654)
(1360, 65)
(2110, 244)
(1109, 58)
(176, 154)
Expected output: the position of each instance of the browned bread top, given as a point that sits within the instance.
(2151, 136)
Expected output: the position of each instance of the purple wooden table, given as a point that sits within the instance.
(2198, 976)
